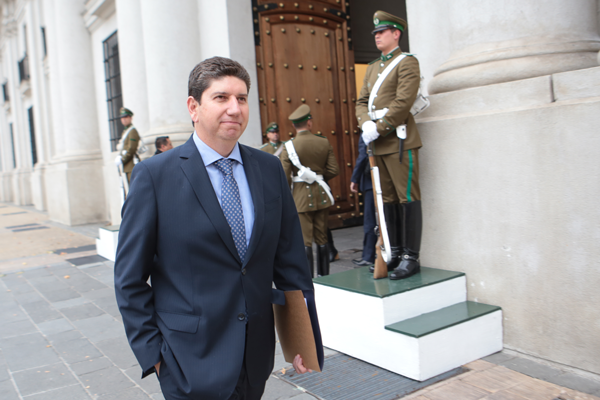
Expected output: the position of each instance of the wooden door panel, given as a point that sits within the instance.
(304, 58)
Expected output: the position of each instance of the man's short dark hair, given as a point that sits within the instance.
(211, 69)
(161, 141)
(301, 125)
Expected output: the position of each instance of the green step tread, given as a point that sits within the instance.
(112, 228)
(360, 280)
(435, 321)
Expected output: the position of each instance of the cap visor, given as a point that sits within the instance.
(381, 28)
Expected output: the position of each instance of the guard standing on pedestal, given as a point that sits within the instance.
(128, 145)
(274, 145)
(383, 108)
(309, 162)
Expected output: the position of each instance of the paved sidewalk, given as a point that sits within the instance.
(61, 335)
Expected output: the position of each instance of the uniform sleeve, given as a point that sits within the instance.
(287, 165)
(362, 104)
(409, 78)
(331, 169)
(134, 139)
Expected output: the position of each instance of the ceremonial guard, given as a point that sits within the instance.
(309, 162)
(274, 145)
(128, 145)
(383, 111)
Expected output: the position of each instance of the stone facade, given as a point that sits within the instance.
(509, 165)
(74, 178)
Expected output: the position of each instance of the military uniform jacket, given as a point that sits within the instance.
(316, 153)
(397, 93)
(130, 146)
(270, 148)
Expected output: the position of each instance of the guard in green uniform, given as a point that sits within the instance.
(274, 145)
(309, 162)
(128, 145)
(383, 113)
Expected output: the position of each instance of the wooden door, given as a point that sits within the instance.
(304, 56)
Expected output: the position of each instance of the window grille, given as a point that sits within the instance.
(12, 144)
(5, 92)
(32, 136)
(114, 97)
(24, 69)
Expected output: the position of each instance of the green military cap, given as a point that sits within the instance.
(383, 20)
(301, 114)
(272, 127)
(125, 112)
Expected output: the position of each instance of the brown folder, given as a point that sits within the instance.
(295, 330)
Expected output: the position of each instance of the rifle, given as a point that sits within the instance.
(383, 240)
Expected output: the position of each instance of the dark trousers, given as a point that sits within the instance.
(369, 223)
(243, 390)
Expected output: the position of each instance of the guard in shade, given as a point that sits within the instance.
(309, 162)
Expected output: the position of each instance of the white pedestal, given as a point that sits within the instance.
(106, 244)
(419, 327)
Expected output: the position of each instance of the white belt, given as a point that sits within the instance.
(378, 114)
(321, 182)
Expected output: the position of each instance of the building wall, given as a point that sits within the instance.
(509, 170)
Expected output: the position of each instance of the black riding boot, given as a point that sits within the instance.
(333, 253)
(393, 221)
(309, 256)
(413, 226)
(322, 260)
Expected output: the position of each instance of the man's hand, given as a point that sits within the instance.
(370, 133)
(157, 367)
(118, 161)
(353, 187)
(299, 365)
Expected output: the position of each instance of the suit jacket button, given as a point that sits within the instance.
(241, 316)
(243, 271)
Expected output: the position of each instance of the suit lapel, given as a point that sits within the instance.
(195, 171)
(255, 182)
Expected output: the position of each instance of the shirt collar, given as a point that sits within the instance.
(210, 156)
(389, 55)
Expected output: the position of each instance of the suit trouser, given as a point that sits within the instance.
(243, 390)
(369, 223)
(399, 181)
(314, 226)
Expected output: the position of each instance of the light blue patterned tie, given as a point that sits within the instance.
(232, 205)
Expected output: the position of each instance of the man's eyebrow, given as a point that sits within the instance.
(227, 93)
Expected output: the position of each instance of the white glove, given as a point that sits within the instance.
(118, 161)
(370, 133)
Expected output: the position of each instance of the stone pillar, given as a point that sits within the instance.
(132, 60)
(512, 40)
(172, 49)
(75, 195)
(40, 106)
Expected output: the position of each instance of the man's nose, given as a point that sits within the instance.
(233, 106)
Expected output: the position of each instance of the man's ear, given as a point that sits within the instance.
(193, 108)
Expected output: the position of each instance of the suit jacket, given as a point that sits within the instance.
(398, 93)
(315, 152)
(203, 300)
(361, 173)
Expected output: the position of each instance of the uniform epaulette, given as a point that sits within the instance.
(263, 145)
(321, 136)
(374, 61)
(409, 54)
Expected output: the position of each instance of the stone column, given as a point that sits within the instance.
(75, 195)
(132, 60)
(495, 42)
(171, 48)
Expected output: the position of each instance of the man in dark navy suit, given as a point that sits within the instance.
(361, 180)
(195, 223)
